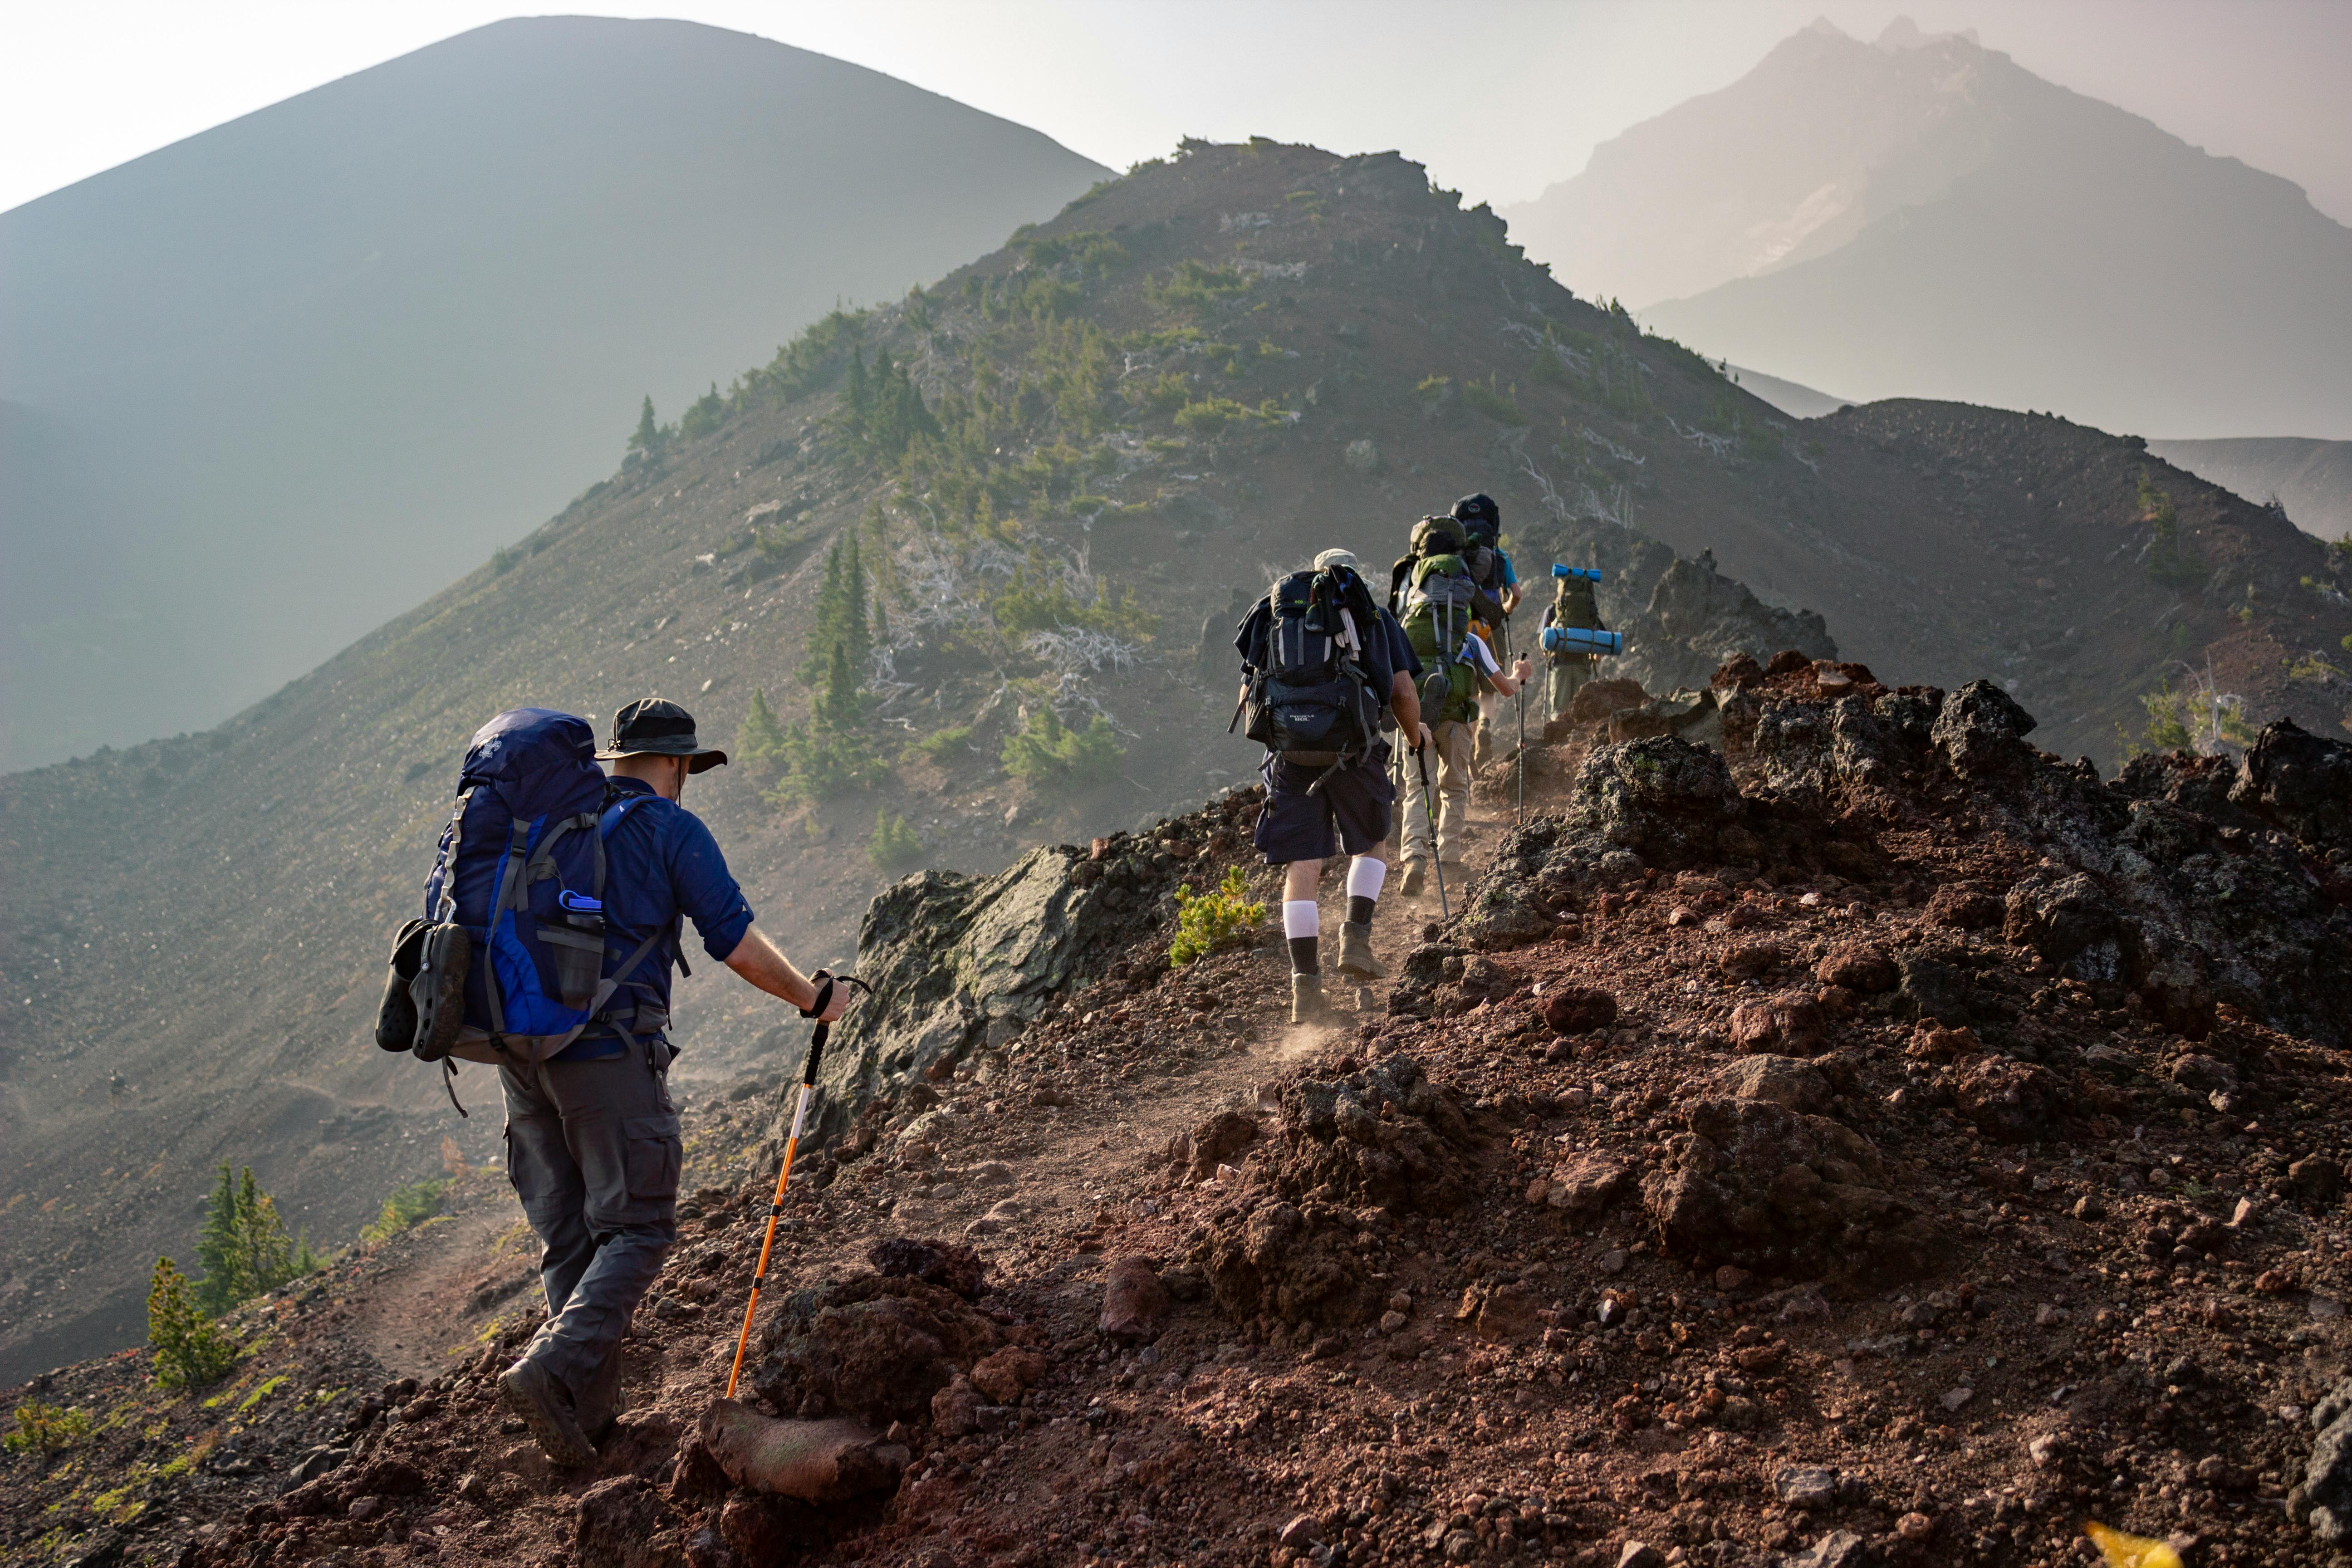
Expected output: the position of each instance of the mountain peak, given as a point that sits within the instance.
(1903, 33)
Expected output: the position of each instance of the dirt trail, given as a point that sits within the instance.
(424, 1306)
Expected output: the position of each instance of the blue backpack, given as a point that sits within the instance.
(511, 961)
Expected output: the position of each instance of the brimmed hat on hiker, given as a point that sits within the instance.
(1331, 558)
(658, 727)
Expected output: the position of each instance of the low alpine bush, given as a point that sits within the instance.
(1206, 923)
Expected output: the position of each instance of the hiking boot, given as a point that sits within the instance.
(1307, 1003)
(1356, 952)
(529, 1391)
(1415, 876)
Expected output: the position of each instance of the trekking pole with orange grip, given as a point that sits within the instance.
(826, 982)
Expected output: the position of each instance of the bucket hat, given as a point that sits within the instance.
(657, 726)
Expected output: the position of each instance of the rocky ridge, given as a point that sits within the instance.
(1819, 1150)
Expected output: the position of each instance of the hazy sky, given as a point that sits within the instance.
(1499, 98)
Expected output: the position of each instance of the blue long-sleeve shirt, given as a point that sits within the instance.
(660, 863)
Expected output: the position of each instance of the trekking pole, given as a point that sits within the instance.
(1520, 697)
(826, 982)
(1429, 804)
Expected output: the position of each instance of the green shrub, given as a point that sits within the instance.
(502, 560)
(1212, 414)
(243, 1246)
(704, 415)
(1046, 754)
(1192, 285)
(941, 745)
(1493, 405)
(407, 1206)
(46, 1428)
(893, 844)
(190, 1352)
(1221, 917)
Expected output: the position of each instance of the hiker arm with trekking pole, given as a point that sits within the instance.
(761, 962)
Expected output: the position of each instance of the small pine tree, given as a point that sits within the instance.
(842, 706)
(189, 1350)
(243, 1245)
(759, 742)
(647, 439)
(893, 843)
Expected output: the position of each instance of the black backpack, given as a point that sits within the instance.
(1309, 700)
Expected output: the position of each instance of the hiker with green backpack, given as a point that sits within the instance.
(1443, 612)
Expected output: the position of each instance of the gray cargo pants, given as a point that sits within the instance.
(593, 1150)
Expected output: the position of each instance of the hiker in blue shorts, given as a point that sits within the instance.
(1326, 672)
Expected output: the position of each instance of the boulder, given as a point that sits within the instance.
(1573, 1009)
(1595, 701)
(2058, 915)
(1583, 1186)
(1785, 1081)
(1981, 731)
(1135, 1303)
(948, 955)
(1778, 1191)
(1858, 966)
(1381, 1137)
(1751, 960)
(814, 1461)
(1004, 1375)
(1789, 1023)
(2299, 781)
(2009, 1100)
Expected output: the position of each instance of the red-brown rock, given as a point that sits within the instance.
(1573, 1009)
(1134, 1301)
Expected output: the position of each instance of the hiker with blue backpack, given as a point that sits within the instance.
(1325, 673)
(1446, 617)
(553, 915)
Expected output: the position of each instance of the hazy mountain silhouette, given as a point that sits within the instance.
(2313, 480)
(1923, 217)
(275, 383)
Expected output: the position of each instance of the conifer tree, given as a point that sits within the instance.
(647, 439)
(189, 1350)
(759, 742)
(243, 1245)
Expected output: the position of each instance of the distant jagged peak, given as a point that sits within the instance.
(1903, 33)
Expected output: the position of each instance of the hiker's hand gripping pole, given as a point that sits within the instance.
(826, 982)
(1429, 804)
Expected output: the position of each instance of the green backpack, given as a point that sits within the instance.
(1437, 619)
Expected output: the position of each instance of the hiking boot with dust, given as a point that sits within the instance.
(1307, 1003)
(1416, 876)
(1356, 952)
(529, 1392)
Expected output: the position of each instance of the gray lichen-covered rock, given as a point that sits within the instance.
(949, 955)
